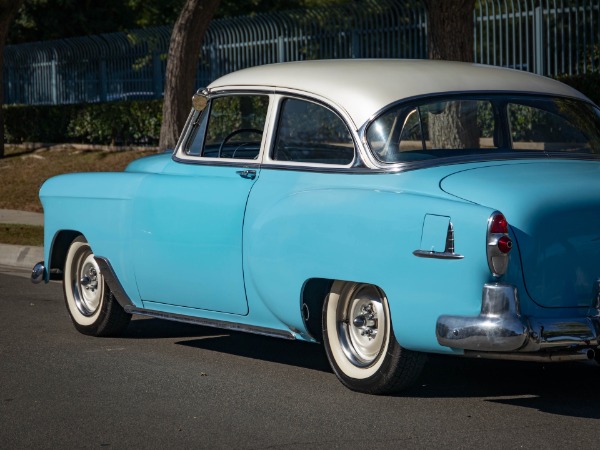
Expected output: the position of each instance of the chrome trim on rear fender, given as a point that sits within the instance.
(437, 255)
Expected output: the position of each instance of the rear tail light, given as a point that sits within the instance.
(499, 244)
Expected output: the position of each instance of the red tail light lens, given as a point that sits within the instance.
(499, 244)
(498, 224)
(504, 244)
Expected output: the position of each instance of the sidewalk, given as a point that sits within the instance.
(17, 255)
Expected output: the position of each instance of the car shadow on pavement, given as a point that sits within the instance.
(149, 328)
(566, 389)
(283, 351)
(293, 353)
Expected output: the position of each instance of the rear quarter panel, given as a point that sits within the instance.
(364, 228)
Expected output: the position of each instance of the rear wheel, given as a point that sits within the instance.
(360, 343)
(90, 302)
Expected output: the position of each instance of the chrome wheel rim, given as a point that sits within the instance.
(362, 324)
(87, 283)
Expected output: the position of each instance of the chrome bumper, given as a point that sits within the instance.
(38, 274)
(501, 328)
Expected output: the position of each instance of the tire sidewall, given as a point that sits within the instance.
(78, 250)
(365, 379)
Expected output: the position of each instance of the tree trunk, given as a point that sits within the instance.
(450, 37)
(450, 29)
(8, 10)
(182, 65)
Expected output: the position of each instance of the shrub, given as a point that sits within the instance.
(116, 123)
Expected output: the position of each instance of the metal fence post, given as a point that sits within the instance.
(157, 76)
(53, 83)
(355, 44)
(103, 81)
(538, 30)
(280, 50)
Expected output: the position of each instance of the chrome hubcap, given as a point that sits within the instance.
(87, 286)
(361, 324)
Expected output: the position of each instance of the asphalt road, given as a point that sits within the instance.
(167, 385)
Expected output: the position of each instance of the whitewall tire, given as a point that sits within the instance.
(360, 342)
(90, 302)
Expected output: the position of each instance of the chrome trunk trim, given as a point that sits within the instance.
(211, 323)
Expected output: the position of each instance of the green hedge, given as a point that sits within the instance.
(116, 123)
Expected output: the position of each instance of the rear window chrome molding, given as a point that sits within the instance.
(483, 157)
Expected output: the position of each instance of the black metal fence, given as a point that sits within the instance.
(550, 37)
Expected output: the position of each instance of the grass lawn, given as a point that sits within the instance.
(22, 234)
(23, 172)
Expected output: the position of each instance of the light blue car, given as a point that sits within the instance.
(388, 209)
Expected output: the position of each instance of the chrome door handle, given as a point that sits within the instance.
(249, 174)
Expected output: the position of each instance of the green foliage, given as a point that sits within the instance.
(40, 20)
(116, 123)
(588, 84)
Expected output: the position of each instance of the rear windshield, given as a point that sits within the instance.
(467, 125)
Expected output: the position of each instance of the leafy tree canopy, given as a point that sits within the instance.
(40, 20)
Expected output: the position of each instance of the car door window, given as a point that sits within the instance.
(231, 127)
(311, 133)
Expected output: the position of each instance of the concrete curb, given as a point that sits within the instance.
(20, 256)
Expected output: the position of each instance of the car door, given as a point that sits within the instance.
(189, 218)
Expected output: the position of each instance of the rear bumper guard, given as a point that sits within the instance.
(501, 328)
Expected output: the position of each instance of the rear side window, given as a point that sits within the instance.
(457, 126)
(311, 133)
(415, 132)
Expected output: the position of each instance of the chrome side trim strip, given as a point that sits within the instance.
(211, 323)
(113, 282)
(437, 255)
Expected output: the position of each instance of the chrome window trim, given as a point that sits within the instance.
(179, 154)
(284, 94)
(414, 165)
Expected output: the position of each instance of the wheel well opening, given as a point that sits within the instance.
(58, 252)
(313, 295)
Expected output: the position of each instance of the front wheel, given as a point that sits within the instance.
(360, 343)
(90, 302)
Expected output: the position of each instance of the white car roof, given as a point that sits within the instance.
(363, 87)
